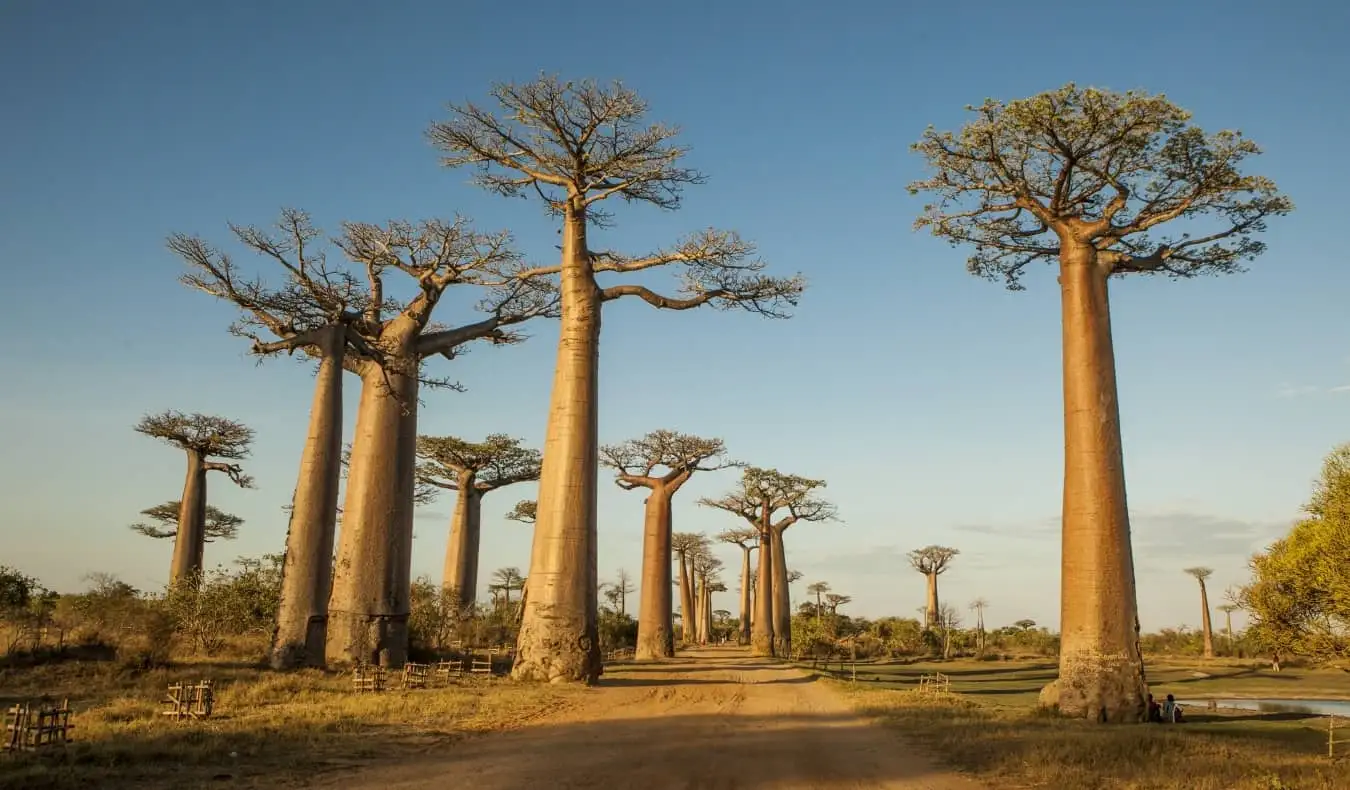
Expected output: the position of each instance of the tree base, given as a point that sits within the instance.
(551, 652)
(654, 647)
(287, 652)
(761, 646)
(359, 638)
(1107, 689)
(782, 647)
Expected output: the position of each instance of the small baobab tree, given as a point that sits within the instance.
(818, 589)
(978, 606)
(1206, 628)
(660, 462)
(1087, 179)
(686, 546)
(202, 437)
(471, 470)
(835, 600)
(759, 497)
(219, 524)
(1228, 609)
(576, 145)
(748, 540)
(932, 562)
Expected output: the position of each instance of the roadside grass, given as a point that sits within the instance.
(267, 728)
(990, 727)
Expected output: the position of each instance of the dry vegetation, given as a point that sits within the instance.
(268, 728)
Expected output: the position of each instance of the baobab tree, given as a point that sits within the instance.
(202, 437)
(978, 606)
(932, 562)
(1086, 178)
(758, 498)
(686, 546)
(471, 470)
(219, 524)
(705, 568)
(660, 462)
(1228, 609)
(1206, 628)
(748, 541)
(818, 589)
(576, 145)
(346, 318)
(835, 600)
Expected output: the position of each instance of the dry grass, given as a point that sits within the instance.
(268, 728)
(990, 728)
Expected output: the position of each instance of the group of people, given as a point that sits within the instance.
(1169, 711)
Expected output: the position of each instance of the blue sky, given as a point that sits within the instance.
(928, 399)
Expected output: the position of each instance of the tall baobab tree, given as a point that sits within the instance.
(1086, 178)
(346, 318)
(660, 462)
(202, 437)
(705, 568)
(748, 540)
(219, 524)
(1200, 575)
(835, 600)
(471, 470)
(818, 589)
(686, 546)
(758, 498)
(1228, 609)
(932, 562)
(576, 145)
(978, 606)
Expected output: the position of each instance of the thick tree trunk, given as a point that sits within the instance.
(747, 599)
(761, 630)
(707, 613)
(558, 637)
(307, 574)
(190, 543)
(782, 601)
(461, 552)
(701, 629)
(656, 632)
(1205, 621)
(934, 613)
(368, 611)
(687, 623)
(1101, 672)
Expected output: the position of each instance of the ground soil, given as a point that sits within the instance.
(709, 720)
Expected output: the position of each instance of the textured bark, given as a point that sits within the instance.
(762, 630)
(558, 638)
(701, 609)
(1101, 675)
(687, 623)
(368, 612)
(190, 544)
(656, 632)
(782, 602)
(1206, 624)
(461, 551)
(747, 598)
(933, 611)
(307, 574)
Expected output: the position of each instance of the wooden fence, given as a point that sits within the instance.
(936, 684)
(30, 726)
(190, 700)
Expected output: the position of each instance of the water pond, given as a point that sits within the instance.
(1339, 707)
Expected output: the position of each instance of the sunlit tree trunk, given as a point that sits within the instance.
(190, 543)
(782, 601)
(1205, 622)
(307, 574)
(558, 637)
(656, 632)
(1101, 674)
(933, 611)
(762, 629)
(747, 598)
(461, 552)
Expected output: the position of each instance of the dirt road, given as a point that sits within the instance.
(714, 720)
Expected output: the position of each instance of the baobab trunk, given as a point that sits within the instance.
(461, 552)
(307, 573)
(1101, 672)
(933, 612)
(368, 612)
(558, 638)
(782, 602)
(701, 627)
(1205, 621)
(687, 623)
(761, 631)
(190, 542)
(656, 633)
(747, 600)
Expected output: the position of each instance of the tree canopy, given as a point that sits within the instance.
(525, 511)
(932, 560)
(497, 461)
(219, 524)
(663, 457)
(1097, 168)
(210, 436)
(760, 487)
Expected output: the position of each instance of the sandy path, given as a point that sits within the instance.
(714, 720)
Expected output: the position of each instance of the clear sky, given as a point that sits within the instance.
(928, 399)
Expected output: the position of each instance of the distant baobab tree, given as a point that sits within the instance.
(1200, 575)
(686, 546)
(659, 463)
(1228, 609)
(575, 145)
(932, 561)
(835, 600)
(978, 606)
(471, 470)
(202, 437)
(818, 589)
(748, 540)
(1087, 179)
